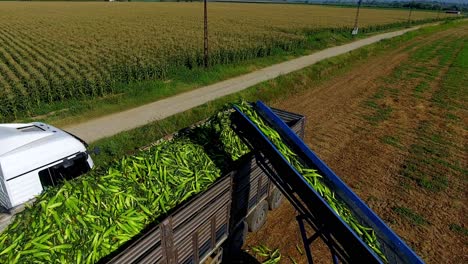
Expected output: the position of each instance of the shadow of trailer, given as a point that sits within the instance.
(214, 222)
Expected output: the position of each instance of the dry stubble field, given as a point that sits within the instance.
(397, 136)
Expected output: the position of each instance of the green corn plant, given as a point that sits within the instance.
(315, 180)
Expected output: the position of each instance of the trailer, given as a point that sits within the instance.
(211, 226)
(214, 223)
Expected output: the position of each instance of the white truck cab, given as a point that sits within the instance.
(35, 156)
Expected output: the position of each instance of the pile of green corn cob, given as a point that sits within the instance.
(89, 217)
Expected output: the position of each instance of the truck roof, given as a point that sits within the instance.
(13, 136)
(25, 147)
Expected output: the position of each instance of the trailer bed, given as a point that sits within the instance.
(196, 229)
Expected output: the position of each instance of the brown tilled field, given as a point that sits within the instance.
(394, 129)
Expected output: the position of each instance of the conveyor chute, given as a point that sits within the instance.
(313, 210)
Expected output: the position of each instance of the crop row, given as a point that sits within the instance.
(53, 52)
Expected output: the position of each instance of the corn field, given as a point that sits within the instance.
(52, 52)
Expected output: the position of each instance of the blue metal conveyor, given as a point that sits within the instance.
(344, 244)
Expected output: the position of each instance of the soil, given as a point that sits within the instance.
(337, 130)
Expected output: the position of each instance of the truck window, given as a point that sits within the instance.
(66, 170)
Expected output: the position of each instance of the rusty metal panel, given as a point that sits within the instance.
(201, 225)
(151, 242)
(205, 231)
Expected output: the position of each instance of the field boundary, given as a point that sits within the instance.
(109, 125)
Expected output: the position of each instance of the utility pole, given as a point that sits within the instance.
(438, 11)
(205, 31)
(410, 12)
(356, 29)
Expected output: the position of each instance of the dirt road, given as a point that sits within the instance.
(373, 123)
(112, 124)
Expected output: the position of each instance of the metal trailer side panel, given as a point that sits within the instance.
(190, 210)
(197, 238)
